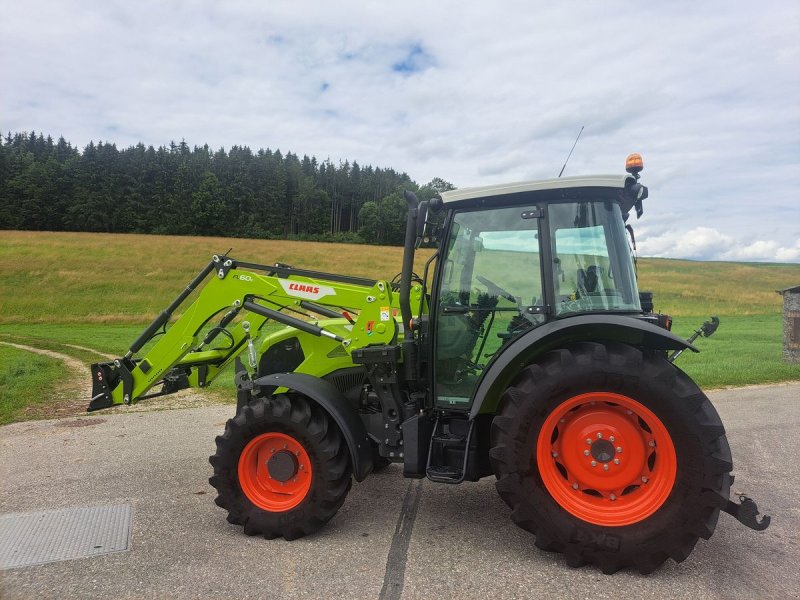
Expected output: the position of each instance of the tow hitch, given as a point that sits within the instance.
(746, 512)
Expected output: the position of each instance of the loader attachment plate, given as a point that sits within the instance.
(108, 376)
(105, 377)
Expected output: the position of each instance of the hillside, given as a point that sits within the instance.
(129, 278)
(684, 287)
(86, 296)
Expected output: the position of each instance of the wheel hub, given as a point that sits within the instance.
(275, 471)
(603, 451)
(282, 466)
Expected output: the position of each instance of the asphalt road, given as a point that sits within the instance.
(393, 538)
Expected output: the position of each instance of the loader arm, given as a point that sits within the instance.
(242, 298)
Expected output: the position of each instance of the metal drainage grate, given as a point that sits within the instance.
(36, 538)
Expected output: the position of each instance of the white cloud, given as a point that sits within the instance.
(475, 93)
(706, 243)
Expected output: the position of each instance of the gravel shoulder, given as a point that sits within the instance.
(75, 390)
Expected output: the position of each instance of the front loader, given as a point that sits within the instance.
(521, 351)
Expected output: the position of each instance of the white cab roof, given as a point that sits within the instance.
(615, 181)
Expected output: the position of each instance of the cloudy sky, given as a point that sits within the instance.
(478, 93)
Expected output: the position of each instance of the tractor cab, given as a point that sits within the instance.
(515, 257)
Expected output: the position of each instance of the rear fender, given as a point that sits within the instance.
(557, 334)
(334, 403)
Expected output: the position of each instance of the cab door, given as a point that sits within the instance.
(490, 291)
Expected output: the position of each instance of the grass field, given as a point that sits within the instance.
(20, 373)
(59, 290)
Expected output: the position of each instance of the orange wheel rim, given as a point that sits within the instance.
(275, 472)
(606, 459)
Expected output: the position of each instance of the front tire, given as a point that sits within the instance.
(282, 468)
(611, 456)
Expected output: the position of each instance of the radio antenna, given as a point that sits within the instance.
(570, 151)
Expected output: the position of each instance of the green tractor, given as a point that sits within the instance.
(522, 352)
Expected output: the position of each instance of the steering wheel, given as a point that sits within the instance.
(496, 290)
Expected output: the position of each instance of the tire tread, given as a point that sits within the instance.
(299, 417)
(628, 370)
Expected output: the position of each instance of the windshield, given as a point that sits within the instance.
(593, 269)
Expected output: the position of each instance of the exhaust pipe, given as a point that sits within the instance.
(408, 261)
(409, 344)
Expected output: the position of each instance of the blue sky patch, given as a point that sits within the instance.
(417, 59)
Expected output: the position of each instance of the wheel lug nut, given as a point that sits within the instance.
(630, 412)
(562, 420)
(272, 450)
(594, 463)
(613, 497)
(574, 486)
(616, 461)
(599, 435)
(644, 479)
(619, 449)
(589, 441)
(611, 438)
(586, 453)
(605, 467)
(555, 454)
(651, 443)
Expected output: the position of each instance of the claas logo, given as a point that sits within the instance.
(300, 287)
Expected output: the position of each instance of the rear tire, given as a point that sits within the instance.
(309, 476)
(648, 497)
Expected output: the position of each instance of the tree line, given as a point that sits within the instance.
(52, 186)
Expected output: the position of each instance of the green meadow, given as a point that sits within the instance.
(98, 291)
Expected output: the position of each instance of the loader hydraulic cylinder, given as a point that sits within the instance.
(290, 321)
(321, 310)
(161, 319)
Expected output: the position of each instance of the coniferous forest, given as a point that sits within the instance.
(53, 186)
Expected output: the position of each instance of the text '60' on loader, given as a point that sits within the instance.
(528, 358)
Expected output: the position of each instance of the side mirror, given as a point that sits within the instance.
(635, 193)
(429, 230)
(709, 327)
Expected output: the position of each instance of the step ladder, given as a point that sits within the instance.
(443, 442)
